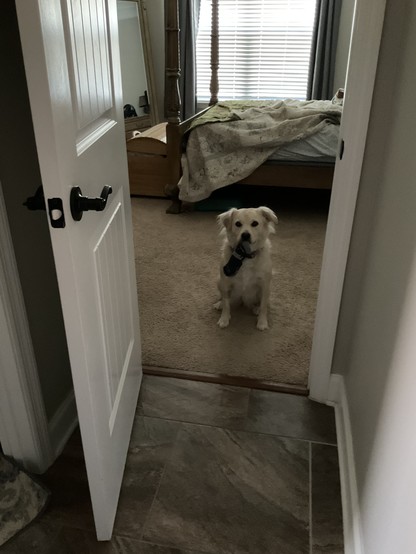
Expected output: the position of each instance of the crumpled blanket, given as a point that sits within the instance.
(223, 153)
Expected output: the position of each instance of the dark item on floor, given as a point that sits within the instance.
(22, 499)
(218, 204)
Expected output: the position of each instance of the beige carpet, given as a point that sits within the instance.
(177, 259)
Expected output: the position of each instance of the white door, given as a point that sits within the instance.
(71, 57)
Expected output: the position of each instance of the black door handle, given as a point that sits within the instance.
(37, 201)
(80, 204)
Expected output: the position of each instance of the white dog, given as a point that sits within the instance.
(246, 265)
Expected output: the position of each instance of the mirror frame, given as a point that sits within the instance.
(148, 63)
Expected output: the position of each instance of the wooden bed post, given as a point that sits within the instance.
(172, 103)
(174, 129)
(213, 87)
(172, 69)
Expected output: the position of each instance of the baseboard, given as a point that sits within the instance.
(337, 397)
(63, 423)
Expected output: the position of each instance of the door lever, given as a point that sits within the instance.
(80, 204)
(37, 201)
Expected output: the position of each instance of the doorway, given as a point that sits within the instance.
(189, 350)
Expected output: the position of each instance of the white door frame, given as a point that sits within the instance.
(24, 433)
(362, 65)
(23, 425)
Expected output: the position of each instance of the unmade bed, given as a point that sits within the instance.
(285, 143)
(233, 139)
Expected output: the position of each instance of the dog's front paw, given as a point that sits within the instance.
(262, 324)
(218, 305)
(223, 322)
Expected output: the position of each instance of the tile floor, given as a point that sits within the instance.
(211, 470)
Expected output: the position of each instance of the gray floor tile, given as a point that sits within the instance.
(327, 533)
(37, 538)
(193, 401)
(290, 416)
(205, 489)
(150, 447)
(71, 541)
(226, 492)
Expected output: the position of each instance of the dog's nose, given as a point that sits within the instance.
(246, 236)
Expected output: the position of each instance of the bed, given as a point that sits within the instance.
(168, 159)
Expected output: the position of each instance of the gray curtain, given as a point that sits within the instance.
(188, 25)
(324, 49)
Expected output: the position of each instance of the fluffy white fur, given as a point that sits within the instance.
(251, 284)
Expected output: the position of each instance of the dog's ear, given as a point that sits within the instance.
(268, 215)
(225, 219)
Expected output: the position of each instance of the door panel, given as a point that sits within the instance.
(90, 72)
(115, 304)
(71, 57)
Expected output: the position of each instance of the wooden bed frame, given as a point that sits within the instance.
(154, 156)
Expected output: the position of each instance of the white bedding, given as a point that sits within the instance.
(320, 147)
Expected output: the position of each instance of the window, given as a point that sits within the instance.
(264, 49)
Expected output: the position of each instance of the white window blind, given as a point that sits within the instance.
(264, 49)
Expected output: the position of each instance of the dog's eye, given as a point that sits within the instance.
(238, 223)
(254, 223)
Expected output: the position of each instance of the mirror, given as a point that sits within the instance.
(139, 94)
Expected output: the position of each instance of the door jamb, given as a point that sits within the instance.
(361, 72)
(24, 433)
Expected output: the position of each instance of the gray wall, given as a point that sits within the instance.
(20, 177)
(376, 345)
